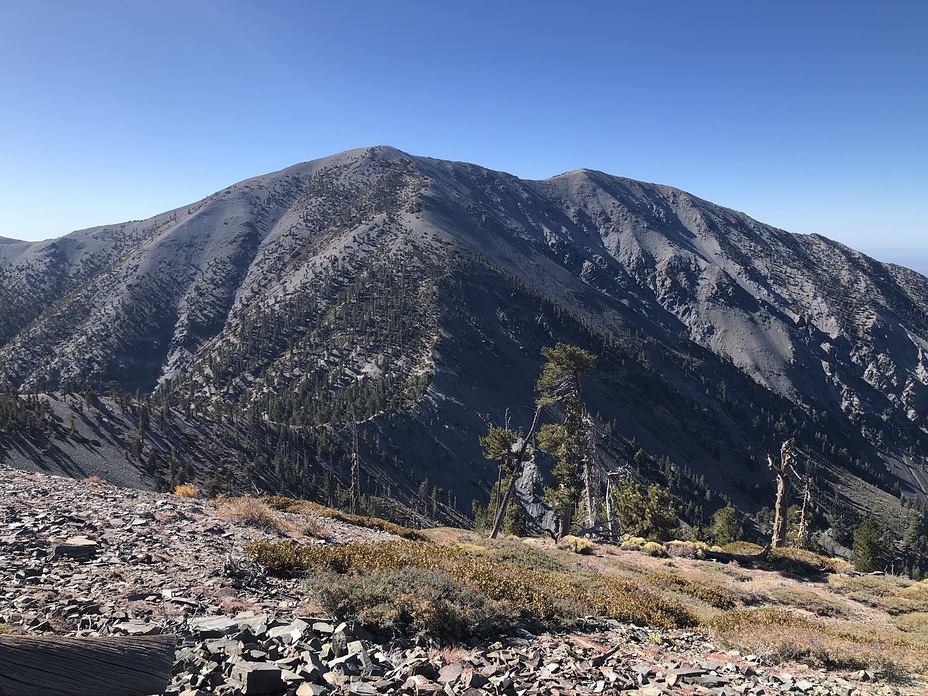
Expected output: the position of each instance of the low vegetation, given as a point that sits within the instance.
(539, 598)
(713, 595)
(450, 585)
(293, 505)
(187, 490)
(576, 544)
(252, 512)
(780, 635)
(894, 595)
(802, 562)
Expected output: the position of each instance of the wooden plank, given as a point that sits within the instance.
(102, 666)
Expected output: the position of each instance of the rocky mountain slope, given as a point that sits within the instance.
(412, 296)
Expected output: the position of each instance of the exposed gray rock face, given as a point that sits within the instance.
(419, 292)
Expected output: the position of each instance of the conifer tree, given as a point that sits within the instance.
(568, 440)
(869, 547)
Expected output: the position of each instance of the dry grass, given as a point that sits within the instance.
(251, 512)
(780, 635)
(712, 595)
(535, 597)
(808, 600)
(802, 562)
(309, 525)
(187, 490)
(894, 595)
(463, 584)
(285, 504)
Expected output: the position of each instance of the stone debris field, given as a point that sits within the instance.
(79, 558)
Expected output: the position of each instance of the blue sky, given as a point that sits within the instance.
(812, 116)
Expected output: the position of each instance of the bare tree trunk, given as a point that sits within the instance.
(782, 470)
(499, 492)
(590, 484)
(516, 472)
(564, 523)
(355, 473)
(803, 535)
(609, 521)
(589, 490)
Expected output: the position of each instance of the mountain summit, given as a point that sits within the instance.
(412, 296)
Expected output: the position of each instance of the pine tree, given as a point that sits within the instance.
(869, 547)
(725, 527)
(568, 440)
(647, 514)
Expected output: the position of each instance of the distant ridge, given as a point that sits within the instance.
(413, 296)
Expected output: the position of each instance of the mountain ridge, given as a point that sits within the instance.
(397, 286)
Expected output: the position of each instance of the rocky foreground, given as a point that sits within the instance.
(85, 559)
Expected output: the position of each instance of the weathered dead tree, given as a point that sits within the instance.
(355, 472)
(782, 470)
(514, 476)
(802, 536)
(610, 519)
(590, 480)
(102, 666)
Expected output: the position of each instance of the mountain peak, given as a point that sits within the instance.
(414, 295)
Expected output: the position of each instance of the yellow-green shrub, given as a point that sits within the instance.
(576, 544)
(424, 603)
(652, 548)
(742, 548)
(686, 549)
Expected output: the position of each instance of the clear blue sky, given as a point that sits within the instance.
(809, 115)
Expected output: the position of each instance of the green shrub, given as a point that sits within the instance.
(686, 549)
(725, 527)
(575, 544)
(628, 602)
(646, 513)
(652, 548)
(425, 603)
(521, 555)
